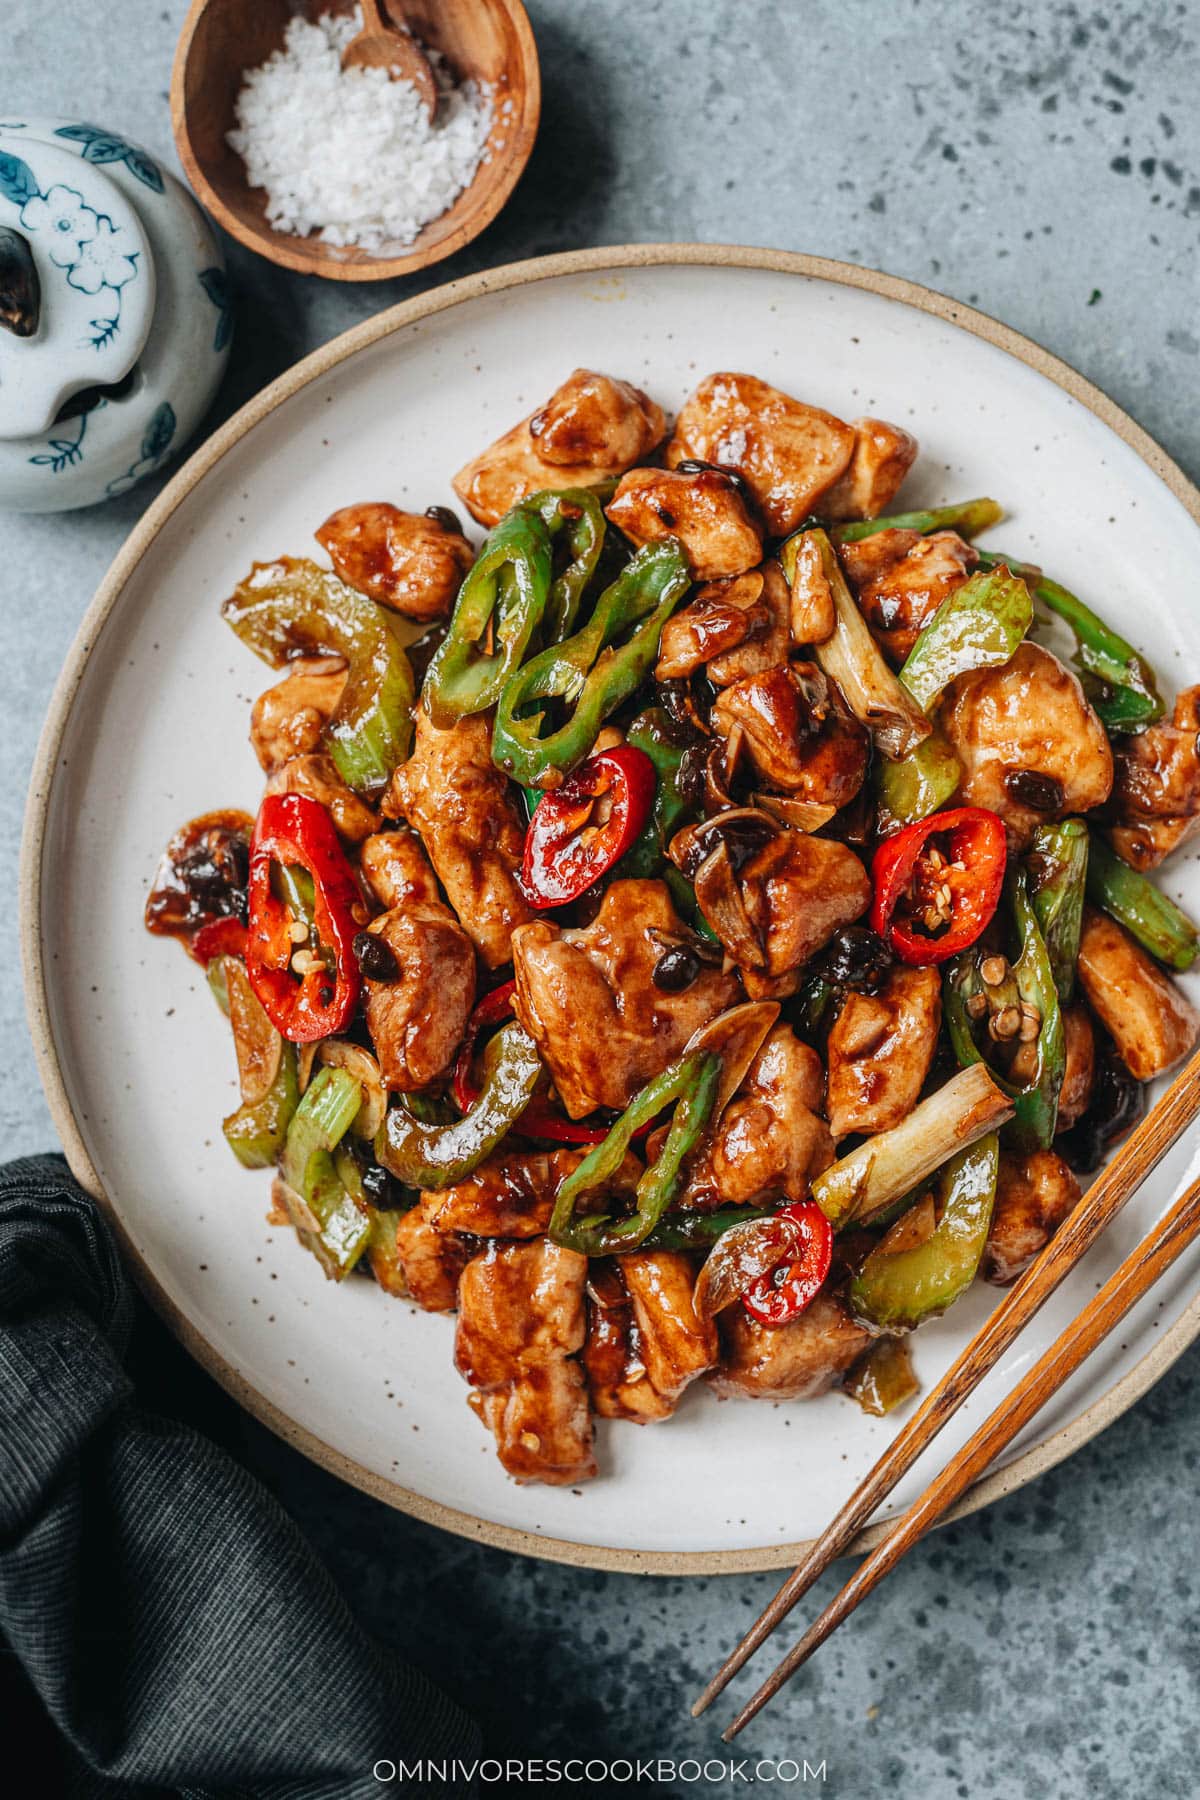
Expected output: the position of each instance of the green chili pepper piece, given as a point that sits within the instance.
(977, 626)
(699, 1231)
(691, 1082)
(1122, 686)
(592, 672)
(1058, 866)
(1147, 914)
(436, 1156)
(683, 898)
(654, 733)
(967, 517)
(1036, 1101)
(579, 514)
(917, 784)
(899, 1290)
(506, 589)
(882, 1379)
(256, 1133)
(293, 605)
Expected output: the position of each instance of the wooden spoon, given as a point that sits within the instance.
(382, 45)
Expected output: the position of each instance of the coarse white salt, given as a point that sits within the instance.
(351, 154)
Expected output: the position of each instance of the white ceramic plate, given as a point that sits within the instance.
(149, 727)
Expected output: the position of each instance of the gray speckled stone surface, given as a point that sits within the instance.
(1043, 162)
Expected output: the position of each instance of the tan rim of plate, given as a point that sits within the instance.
(595, 262)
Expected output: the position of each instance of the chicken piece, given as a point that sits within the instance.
(1150, 1019)
(417, 1017)
(1030, 745)
(452, 793)
(1034, 1194)
(799, 740)
(1156, 786)
(798, 1361)
(520, 1322)
(735, 626)
(317, 776)
(289, 719)
(870, 557)
(882, 456)
(413, 562)
(512, 1196)
(588, 999)
(676, 1344)
(770, 1139)
(618, 1384)
(397, 870)
(1079, 1075)
(703, 508)
(432, 1261)
(798, 891)
(590, 429)
(900, 601)
(789, 455)
(880, 1051)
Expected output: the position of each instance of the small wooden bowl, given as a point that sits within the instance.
(490, 40)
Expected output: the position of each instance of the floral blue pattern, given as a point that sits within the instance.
(215, 283)
(96, 254)
(106, 146)
(156, 441)
(64, 453)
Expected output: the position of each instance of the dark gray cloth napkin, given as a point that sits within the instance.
(177, 1626)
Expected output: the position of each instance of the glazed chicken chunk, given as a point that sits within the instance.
(1079, 1073)
(590, 429)
(512, 1196)
(797, 1361)
(430, 1261)
(418, 993)
(397, 870)
(317, 776)
(645, 1342)
(412, 562)
(703, 508)
(880, 1051)
(1156, 789)
(731, 629)
(289, 719)
(1030, 745)
(520, 1324)
(1150, 1019)
(771, 1139)
(452, 793)
(1034, 1194)
(798, 891)
(800, 740)
(882, 456)
(790, 455)
(901, 598)
(588, 999)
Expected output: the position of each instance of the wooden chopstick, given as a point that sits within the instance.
(1099, 1206)
(1137, 1274)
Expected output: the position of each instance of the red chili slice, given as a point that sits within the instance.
(573, 839)
(782, 1295)
(929, 904)
(297, 832)
(220, 937)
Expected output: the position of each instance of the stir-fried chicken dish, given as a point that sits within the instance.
(692, 933)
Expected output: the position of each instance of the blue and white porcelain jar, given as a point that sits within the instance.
(112, 348)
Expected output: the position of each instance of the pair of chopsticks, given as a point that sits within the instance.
(1144, 1148)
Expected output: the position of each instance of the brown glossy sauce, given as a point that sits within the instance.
(203, 874)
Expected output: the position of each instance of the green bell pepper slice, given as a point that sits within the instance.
(506, 590)
(977, 626)
(256, 1133)
(1035, 1101)
(428, 1155)
(882, 1379)
(293, 605)
(330, 1221)
(1120, 683)
(898, 1291)
(1147, 914)
(917, 785)
(691, 1084)
(1057, 862)
(591, 673)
